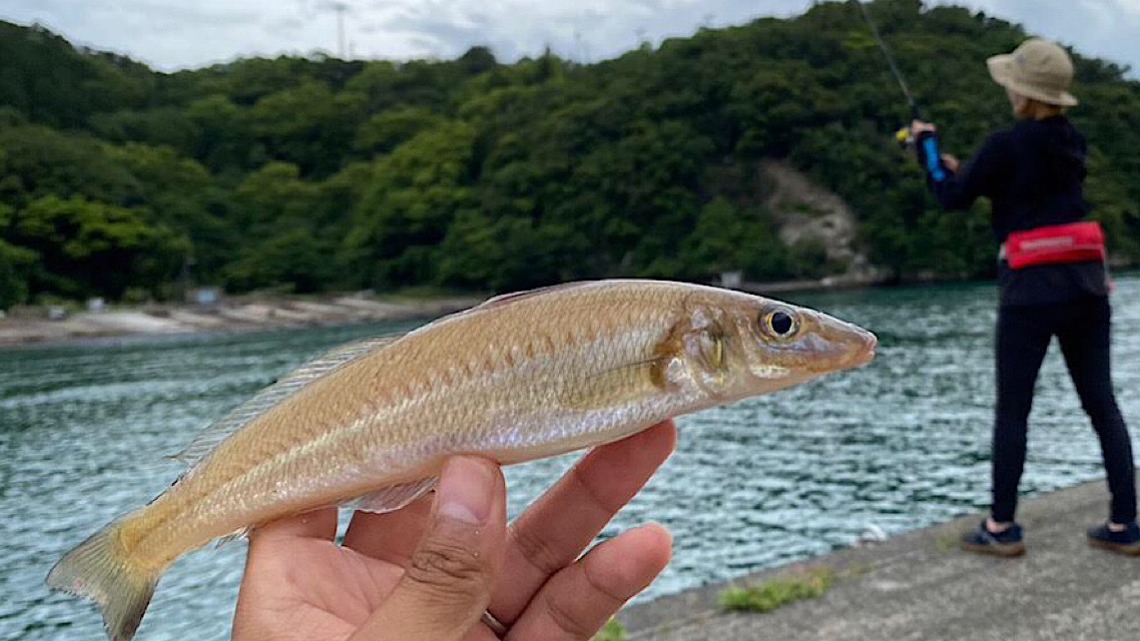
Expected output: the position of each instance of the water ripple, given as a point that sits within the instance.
(901, 444)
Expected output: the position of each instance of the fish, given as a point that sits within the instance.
(519, 377)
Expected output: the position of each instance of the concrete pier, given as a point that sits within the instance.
(920, 587)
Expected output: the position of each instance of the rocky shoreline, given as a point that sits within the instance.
(225, 317)
(246, 314)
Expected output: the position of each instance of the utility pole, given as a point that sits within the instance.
(340, 8)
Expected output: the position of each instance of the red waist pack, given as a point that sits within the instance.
(1071, 243)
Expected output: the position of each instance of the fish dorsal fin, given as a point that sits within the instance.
(393, 497)
(514, 297)
(285, 387)
(494, 302)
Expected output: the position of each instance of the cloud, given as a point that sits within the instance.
(165, 34)
(1097, 28)
(172, 34)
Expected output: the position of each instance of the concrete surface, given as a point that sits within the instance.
(920, 587)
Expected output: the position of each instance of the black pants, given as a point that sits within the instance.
(1023, 335)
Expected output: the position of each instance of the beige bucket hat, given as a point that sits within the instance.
(1038, 69)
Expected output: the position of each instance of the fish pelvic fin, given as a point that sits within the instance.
(232, 537)
(394, 497)
(101, 570)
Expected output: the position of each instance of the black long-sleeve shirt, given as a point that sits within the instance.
(1033, 174)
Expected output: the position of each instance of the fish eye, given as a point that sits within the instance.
(780, 323)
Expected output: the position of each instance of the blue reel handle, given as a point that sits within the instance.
(933, 159)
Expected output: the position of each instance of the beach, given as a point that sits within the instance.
(238, 315)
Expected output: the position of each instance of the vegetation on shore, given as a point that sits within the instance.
(778, 592)
(318, 174)
(612, 631)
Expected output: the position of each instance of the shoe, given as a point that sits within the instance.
(982, 541)
(1127, 541)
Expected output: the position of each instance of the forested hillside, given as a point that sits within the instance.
(312, 174)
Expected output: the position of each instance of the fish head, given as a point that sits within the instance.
(748, 345)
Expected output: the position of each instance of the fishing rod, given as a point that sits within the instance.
(903, 136)
(914, 112)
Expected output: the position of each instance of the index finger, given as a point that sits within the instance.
(558, 526)
(317, 524)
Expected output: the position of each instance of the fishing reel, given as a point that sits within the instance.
(905, 138)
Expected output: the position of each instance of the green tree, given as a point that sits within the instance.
(416, 193)
(278, 215)
(389, 129)
(727, 239)
(15, 262)
(314, 173)
(291, 257)
(308, 125)
(179, 193)
(88, 248)
(38, 161)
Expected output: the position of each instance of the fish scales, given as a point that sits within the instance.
(518, 378)
(370, 420)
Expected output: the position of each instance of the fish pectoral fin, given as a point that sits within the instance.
(610, 387)
(393, 497)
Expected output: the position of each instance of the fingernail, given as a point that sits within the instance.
(664, 531)
(465, 490)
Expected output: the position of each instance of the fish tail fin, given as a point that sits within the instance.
(99, 569)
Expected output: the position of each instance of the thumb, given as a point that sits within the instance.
(447, 584)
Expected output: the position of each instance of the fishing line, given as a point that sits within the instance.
(914, 112)
(904, 136)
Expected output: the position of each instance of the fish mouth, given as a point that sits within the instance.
(846, 345)
(863, 351)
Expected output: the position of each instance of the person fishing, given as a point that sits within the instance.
(1053, 282)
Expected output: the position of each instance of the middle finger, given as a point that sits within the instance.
(558, 526)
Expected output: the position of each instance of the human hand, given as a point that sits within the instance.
(430, 570)
(951, 162)
(918, 126)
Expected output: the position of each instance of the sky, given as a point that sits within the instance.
(177, 34)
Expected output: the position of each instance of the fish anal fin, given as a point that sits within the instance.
(393, 497)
